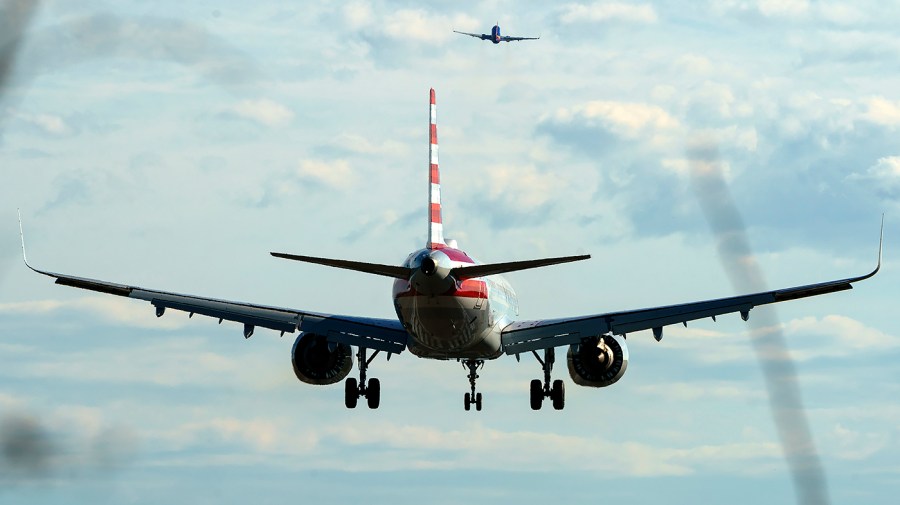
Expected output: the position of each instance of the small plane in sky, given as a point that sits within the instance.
(451, 307)
(495, 36)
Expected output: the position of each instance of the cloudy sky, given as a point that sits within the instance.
(174, 145)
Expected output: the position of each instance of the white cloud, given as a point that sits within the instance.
(336, 174)
(855, 446)
(358, 14)
(691, 391)
(523, 187)
(841, 13)
(880, 110)
(264, 111)
(881, 179)
(767, 8)
(599, 12)
(417, 25)
(260, 435)
(850, 334)
(478, 446)
(50, 124)
(137, 313)
(809, 338)
(628, 119)
(359, 144)
(783, 8)
(694, 64)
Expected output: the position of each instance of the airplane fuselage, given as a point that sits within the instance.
(495, 34)
(449, 318)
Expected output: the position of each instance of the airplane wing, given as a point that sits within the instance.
(481, 36)
(379, 334)
(513, 39)
(525, 336)
(385, 335)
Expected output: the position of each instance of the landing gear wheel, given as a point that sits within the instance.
(472, 397)
(351, 393)
(537, 394)
(371, 389)
(558, 394)
(373, 393)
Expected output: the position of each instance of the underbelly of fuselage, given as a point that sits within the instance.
(448, 327)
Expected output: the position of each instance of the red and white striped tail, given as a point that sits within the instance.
(435, 226)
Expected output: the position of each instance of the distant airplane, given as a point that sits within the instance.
(450, 307)
(495, 36)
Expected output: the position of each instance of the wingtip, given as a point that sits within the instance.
(880, 242)
(22, 238)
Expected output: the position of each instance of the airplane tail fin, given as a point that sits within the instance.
(435, 225)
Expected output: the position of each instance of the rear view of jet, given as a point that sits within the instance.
(450, 307)
(495, 36)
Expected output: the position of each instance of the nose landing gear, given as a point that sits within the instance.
(473, 398)
(354, 390)
(540, 390)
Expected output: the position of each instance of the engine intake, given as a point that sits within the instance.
(315, 363)
(598, 361)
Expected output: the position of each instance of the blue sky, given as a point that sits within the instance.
(174, 145)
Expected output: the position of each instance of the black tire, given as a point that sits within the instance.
(351, 393)
(373, 393)
(558, 394)
(478, 402)
(537, 394)
(468, 400)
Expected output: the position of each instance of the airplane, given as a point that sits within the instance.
(495, 36)
(451, 307)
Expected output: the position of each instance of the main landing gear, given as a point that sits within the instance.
(354, 390)
(539, 391)
(473, 398)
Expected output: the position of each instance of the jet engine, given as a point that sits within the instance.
(598, 361)
(316, 361)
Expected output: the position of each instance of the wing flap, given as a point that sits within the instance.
(91, 284)
(279, 320)
(380, 334)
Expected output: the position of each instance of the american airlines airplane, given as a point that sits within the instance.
(450, 307)
(495, 36)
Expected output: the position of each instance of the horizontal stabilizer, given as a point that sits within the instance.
(512, 266)
(369, 268)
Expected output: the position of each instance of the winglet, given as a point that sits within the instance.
(878, 266)
(22, 236)
(880, 243)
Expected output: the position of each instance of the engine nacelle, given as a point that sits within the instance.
(598, 361)
(315, 363)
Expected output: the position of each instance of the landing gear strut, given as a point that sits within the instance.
(354, 390)
(473, 398)
(540, 390)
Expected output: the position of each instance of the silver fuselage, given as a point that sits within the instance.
(448, 318)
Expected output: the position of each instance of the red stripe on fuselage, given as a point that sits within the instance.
(469, 288)
(457, 255)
